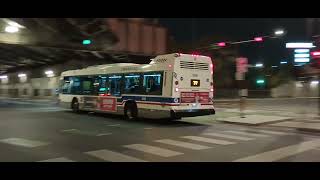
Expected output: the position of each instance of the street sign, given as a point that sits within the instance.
(242, 65)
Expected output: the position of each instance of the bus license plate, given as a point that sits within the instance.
(195, 83)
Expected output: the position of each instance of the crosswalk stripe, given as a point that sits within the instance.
(153, 150)
(67, 130)
(229, 136)
(113, 156)
(104, 134)
(272, 132)
(23, 142)
(114, 125)
(281, 153)
(61, 159)
(208, 140)
(183, 144)
(247, 133)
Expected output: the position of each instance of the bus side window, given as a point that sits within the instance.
(87, 85)
(75, 84)
(66, 86)
(114, 83)
(132, 83)
(102, 88)
(152, 83)
(96, 82)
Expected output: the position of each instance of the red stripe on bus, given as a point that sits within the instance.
(162, 104)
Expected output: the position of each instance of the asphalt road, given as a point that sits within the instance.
(41, 131)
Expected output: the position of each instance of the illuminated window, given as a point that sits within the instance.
(132, 83)
(152, 83)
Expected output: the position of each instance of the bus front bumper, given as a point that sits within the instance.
(191, 113)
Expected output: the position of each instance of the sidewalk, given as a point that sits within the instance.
(255, 119)
(309, 122)
(308, 125)
(28, 99)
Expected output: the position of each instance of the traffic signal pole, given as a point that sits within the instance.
(243, 93)
(242, 68)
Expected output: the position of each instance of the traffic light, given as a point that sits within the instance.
(258, 39)
(315, 54)
(221, 44)
(86, 42)
(315, 59)
(260, 81)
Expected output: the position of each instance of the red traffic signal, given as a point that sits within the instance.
(222, 44)
(258, 39)
(315, 54)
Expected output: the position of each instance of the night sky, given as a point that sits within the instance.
(271, 51)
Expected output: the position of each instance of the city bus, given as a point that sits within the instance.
(171, 86)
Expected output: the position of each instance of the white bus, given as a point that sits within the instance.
(170, 86)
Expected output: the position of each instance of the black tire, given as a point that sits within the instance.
(131, 111)
(173, 116)
(75, 105)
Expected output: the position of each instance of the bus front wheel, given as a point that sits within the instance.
(131, 111)
(75, 105)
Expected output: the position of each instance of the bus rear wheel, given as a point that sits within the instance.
(75, 105)
(131, 111)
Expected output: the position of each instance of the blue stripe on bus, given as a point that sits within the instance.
(147, 99)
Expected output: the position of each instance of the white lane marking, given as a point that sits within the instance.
(208, 140)
(281, 153)
(104, 134)
(114, 125)
(24, 142)
(153, 150)
(247, 133)
(113, 156)
(272, 132)
(183, 144)
(229, 136)
(67, 130)
(61, 159)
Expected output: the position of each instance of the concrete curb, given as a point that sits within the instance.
(257, 124)
(308, 130)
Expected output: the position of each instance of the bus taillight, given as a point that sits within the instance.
(211, 68)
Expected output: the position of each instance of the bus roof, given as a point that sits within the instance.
(158, 63)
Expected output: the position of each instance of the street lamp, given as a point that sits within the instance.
(22, 75)
(259, 65)
(279, 32)
(11, 29)
(49, 73)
